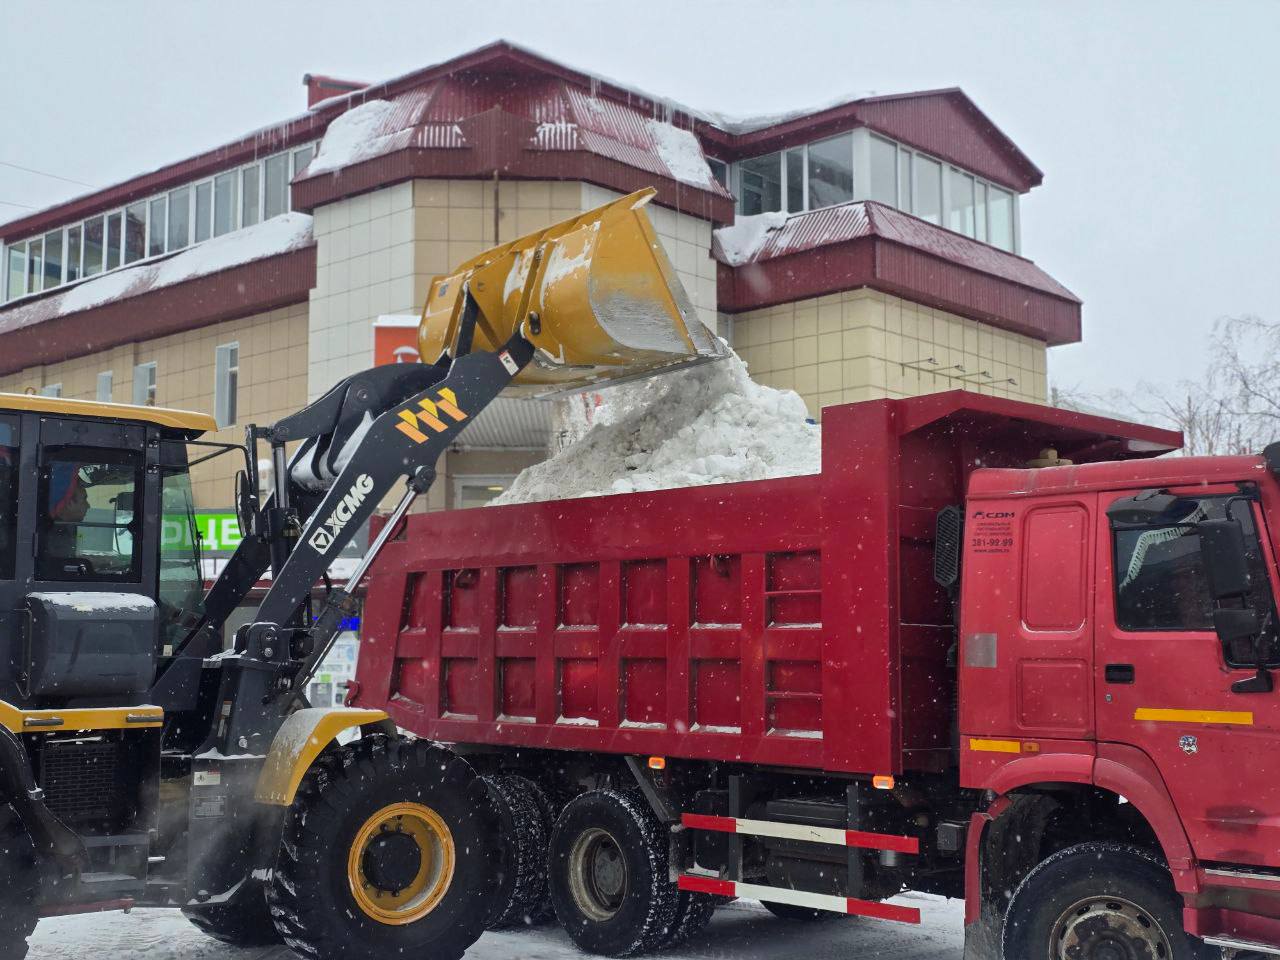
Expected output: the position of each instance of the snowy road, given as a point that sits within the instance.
(741, 930)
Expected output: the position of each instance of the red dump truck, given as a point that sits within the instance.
(992, 651)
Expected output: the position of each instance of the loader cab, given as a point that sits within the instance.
(99, 558)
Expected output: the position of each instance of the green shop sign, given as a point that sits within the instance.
(219, 532)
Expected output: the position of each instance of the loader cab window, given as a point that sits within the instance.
(90, 515)
(181, 588)
(1160, 580)
(8, 496)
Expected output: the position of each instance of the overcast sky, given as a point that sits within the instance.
(1155, 124)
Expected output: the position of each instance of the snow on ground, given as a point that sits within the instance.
(740, 931)
(709, 423)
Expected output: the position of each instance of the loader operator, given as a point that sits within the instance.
(68, 506)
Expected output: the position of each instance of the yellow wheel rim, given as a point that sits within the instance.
(400, 827)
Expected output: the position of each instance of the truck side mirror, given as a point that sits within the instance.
(1223, 548)
(246, 506)
(1236, 624)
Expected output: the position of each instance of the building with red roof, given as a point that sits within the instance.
(866, 248)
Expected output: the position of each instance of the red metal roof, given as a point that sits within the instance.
(867, 244)
(850, 221)
(552, 96)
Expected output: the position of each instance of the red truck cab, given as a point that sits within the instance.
(1089, 656)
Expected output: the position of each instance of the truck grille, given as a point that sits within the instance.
(84, 782)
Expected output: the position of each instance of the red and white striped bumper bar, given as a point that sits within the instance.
(697, 883)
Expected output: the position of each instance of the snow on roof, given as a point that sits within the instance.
(356, 135)
(282, 234)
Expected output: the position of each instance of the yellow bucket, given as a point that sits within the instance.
(595, 295)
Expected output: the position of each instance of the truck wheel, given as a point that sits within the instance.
(608, 874)
(244, 921)
(1095, 901)
(693, 913)
(789, 911)
(521, 896)
(389, 850)
(18, 882)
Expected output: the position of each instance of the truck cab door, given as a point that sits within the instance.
(1164, 678)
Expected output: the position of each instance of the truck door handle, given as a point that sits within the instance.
(1120, 673)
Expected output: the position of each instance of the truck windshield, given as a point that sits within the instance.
(1160, 577)
(181, 588)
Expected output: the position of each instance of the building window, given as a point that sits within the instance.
(104, 386)
(760, 183)
(156, 234)
(153, 226)
(794, 160)
(74, 252)
(276, 193)
(204, 211)
(51, 390)
(928, 189)
(719, 170)
(35, 265)
(52, 259)
(980, 209)
(135, 232)
(1000, 218)
(94, 245)
(831, 171)
(904, 180)
(960, 218)
(17, 271)
(477, 491)
(144, 384)
(884, 171)
(249, 211)
(179, 218)
(224, 203)
(226, 383)
(301, 158)
(115, 240)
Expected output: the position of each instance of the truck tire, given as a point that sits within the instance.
(521, 897)
(389, 850)
(19, 881)
(244, 922)
(1098, 900)
(608, 874)
(693, 913)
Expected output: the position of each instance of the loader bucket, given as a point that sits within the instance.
(595, 295)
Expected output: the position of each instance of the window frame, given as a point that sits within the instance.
(118, 236)
(226, 390)
(146, 397)
(106, 377)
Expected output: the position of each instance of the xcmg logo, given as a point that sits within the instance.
(993, 515)
(428, 415)
(324, 538)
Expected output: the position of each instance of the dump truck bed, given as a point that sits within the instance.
(791, 622)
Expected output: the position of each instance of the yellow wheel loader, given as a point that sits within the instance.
(141, 763)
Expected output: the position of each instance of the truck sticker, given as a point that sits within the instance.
(991, 531)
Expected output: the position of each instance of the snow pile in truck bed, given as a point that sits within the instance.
(706, 424)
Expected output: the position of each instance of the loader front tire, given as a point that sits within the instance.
(389, 850)
(18, 880)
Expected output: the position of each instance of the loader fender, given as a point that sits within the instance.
(302, 738)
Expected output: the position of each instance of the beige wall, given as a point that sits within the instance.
(273, 381)
(863, 344)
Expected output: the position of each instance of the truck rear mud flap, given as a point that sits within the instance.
(701, 883)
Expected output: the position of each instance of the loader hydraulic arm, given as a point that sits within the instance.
(587, 301)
